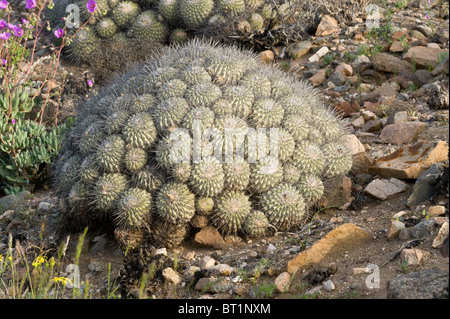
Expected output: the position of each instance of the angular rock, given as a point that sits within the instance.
(207, 262)
(209, 236)
(171, 276)
(423, 56)
(384, 189)
(354, 144)
(438, 242)
(426, 284)
(395, 229)
(282, 282)
(423, 77)
(320, 53)
(328, 25)
(344, 69)
(441, 67)
(388, 63)
(347, 107)
(435, 211)
(386, 89)
(409, 161)
(424, 187)
(221, 269)
(402, 133)
(396, 47)
(318, 78)
(423, 229)
(340, 239)
(413, 256)
(267, 56)
(359, 122)
(328, 285)
(338, 192)
(372, 126)
(299, 49)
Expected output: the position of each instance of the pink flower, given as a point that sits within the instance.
(59, 33)
(427, 16)
(3, 4)
(30, 4)
(4, 62)
(18, 32)
(13, 121)
(2, 24)
(5, 35)
(91, 5)
(90, 83)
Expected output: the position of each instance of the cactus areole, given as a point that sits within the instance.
(204, 130)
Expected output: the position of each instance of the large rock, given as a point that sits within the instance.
(388, 63)
(318, 78)
(384, 189)
(299, 49)
(337, 241)
(426, 284)
(409, 161)
(424, 187)
(441, 67)
(402, 133)
(328, 25)
(354, 144)
(347, 107)
(424, 56)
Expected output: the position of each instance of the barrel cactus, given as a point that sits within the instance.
(191, 135)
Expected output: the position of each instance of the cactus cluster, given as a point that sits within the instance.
(159, 21)
(201, 133)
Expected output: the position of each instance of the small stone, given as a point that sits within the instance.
(359, 122)
(207, 262)
(365, 87)
(297, 50)
(94, 267)
(190, 255)
(384, 189)
(328, 25)
(435, 211)
(267, 56)
(441, 68)
(209, 236)
(360, 271)
(423, 229)
(368, 115)
(396, 47)
(372, 126)
(361, 59)
(438, 242)
(348, 107)
(161, 251)
(99, 244)
(344, 69)
(400, 117)
(318, 78)
(44, 206)
(171, 276)
(283, 281)
(271, 248)
(221, 269)
(328, 285)
(394, 229)
(313, 291)
(400, 214)
(413, 256)
(402, 133)
(354, 145)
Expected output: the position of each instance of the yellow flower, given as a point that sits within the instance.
(52, 262)
(38, 261)
(62, 280)
(1, 258)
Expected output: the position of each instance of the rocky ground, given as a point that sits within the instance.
(384, 235)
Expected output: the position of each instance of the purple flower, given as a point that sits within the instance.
(18, 32)
(11, 26)
(427, 16)
(59, 33)
(91, 5)
(13, 121)
(2, 24)
(5, 35)
(3, 4)
(30, 4)
(4, 62)
(90, 83)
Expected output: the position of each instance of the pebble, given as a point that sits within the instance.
(161, 251)
(441, 236)
(328, 285)
(283, 282)
(271, 248)
(207, 262)
(423, 229)
(171, 276)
